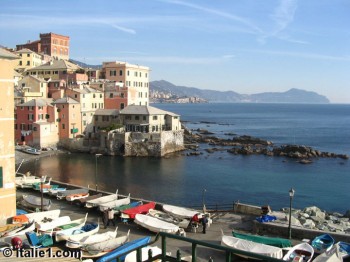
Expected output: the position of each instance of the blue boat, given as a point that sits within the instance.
(322, 243)
(344, 249)
(111, 256)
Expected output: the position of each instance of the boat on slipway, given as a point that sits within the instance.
(271, 241)
(156, 225)
(63, 194)
(77, 233)
(101, 200)
(132, 212)
(115, 203)
(34, 202)
(180, 212)
(300, 252)
(322, 243)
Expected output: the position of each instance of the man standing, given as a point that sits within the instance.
(204, 223)
(110, 214)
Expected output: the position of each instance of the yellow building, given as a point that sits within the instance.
(134, 77)
(31, 87)
(28, 59)
(8, 62)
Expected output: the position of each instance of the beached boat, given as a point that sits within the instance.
(37, 216)
(300, 252)
(34, 202)
(82, 201)
(155, 225)
(142, 209)
(103, 247)
(77, 233)
(115, 203)
(77, 242)
(31, 150)
(168, 218)
(22, 230)
(119, 209)
(27, 181)
(344, 249)
(322, 243)
(54, 191)
(73, 224)
(251, 247)
(6, 229)
(51, 224)
(78, 196)
(180, 212)
(101, 200)
(63, 194)
(332, 255)
(125, 248)
(271, 241)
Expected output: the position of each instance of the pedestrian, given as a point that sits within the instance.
(204, 223)
(105, 218)
(110, 213)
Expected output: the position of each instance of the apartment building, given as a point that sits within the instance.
(31, 87)
(8, 61)
(28, 59)
(133, 78)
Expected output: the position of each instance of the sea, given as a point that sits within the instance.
(221, 178)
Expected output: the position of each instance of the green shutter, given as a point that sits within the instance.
(1, 182)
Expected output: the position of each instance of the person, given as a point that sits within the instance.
(204, 223)
(110, 217)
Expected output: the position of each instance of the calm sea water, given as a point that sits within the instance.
(259, 180)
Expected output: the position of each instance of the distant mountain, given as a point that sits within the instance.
(83, 65)
(167, 89)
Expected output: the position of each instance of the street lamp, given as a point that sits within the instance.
(96, 156)
(42, 181)
(203, 204)
(291, 195)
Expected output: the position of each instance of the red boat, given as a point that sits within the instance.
(132, 212)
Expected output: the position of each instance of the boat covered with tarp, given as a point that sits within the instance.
(271, 241)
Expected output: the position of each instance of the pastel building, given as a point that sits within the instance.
(8, 61)
(31, 87)
(28, 59)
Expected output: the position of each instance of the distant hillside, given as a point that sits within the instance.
(293, 95)
(83, 65)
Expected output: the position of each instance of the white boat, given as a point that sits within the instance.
(180, 212)
(76, 242)
(169, 218)
(77, 233)
(35, 202)
(73, 197)
(252, 247)
(54, 191)
(21, 232)
(101, 200)
(31, 150)
(300, 252)
(37, 216)
(63, 194)
(115, 203)
(156, 225)
(101, 248)
(26, 180)
(332, 255)
(73, 224)
(51, 224)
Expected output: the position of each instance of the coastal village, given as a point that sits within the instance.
(49, 102)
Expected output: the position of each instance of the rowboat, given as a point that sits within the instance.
(22, 230)
(300, 252)
(82, 201)
(180, 212)
(77, 233)
(124, 249)
(76, 242)
(74, 224)
(51, 224)
(332, 255)
(142, 209)
(6, 229)
(54, 191)
(115, 203)
(344, 249)
(101, 200)
(35, 202)
(102, 248)
(78, 196)
(322, 243)
(37, 216)
(63, 194)
(168, 218)
(271, 241)
(155, 225)
(27, 181)
(251, 247)
(119, 209)
(31, 150)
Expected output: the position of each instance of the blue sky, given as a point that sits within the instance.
(247, 46)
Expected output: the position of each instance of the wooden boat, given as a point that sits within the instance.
(142, 209)
(300, 252)
(115, 203)
(77, 233)
(25, 181)
(63, 194)
(6, 229)
(54, 191)
(111, 256)
(73, 224)
(322, 243)
(168, 218)
(155, 225)
(74, 197)
(101, 200)
(103, 247)
(31, 150)
(332, 255)
(82, 201)
(271, 241)
(22, 230)
(34, 202)
(180, 212)
(344, 249)
(50, 225)
(76, 242)
(119, 209)
(251, 247)
(37, 216)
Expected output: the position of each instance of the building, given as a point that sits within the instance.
(106, 119)
(30, 87)
(116, 95)
(134, 80)
(8, 61)
(55, 45)
(28, 59)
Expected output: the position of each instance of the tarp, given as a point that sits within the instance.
(271, 241)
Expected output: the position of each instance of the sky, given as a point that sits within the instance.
(246, 46)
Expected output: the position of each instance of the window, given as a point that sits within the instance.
(144, 118)
(28, 63)
(122, 95)
(20, 63)
(111, 95)
(127, 117)
(75, 96)
(23, 127)
(63, 126)
(1, 179)
(155, 117)
(137, 118)
(122, 106)
(100, 95)
(120, 72)
(30, 117)
(30, 127)
(15, 126)
(28, 55)
(128, 72)
(113, 73)
(96, 118)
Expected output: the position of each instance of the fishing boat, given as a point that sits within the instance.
(31, 150)
(115, 203)
(180, 212)
(63, 194)
(22, 230)
(111, 256)
(332, 255)
(73, 224)
(77, 242)
(155, 225)
(271, 241)
(168, 218)
(344, 249)
(322, 243)
(142, 209)
(300, 252)
(37, 216)
(103, 247)
(77, 233)
(117, 210)
(6, 229)
(73, 197)
(54, 191)
(82, 201)
(251, 247)
(34, 202)
(27, 181)
(101, 200)
(51, 224)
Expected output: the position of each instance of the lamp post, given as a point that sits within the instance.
(96, 156)
(291, 195)
(42, 181)
(203, 204)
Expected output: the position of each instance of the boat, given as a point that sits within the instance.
(155, 225)
(37, 216)
(103, 247)
(251, 247)
(73, 197)
(344, 248)
(54, 191)
(101, 200)
(77, 242)
(63, 194)
(6, 229)
(82, 201)
(332, 255)
(132, 212)
(35, 202)
(27, 181)
(51, 224)
(31, 150)
(180, 212)
(168, 218)
(271, 241)
(22, 230)
(77, 233)
(61, 227)
(300, 252)
(125, 249)
(117, 210)
(115, 203)
(322, 243)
